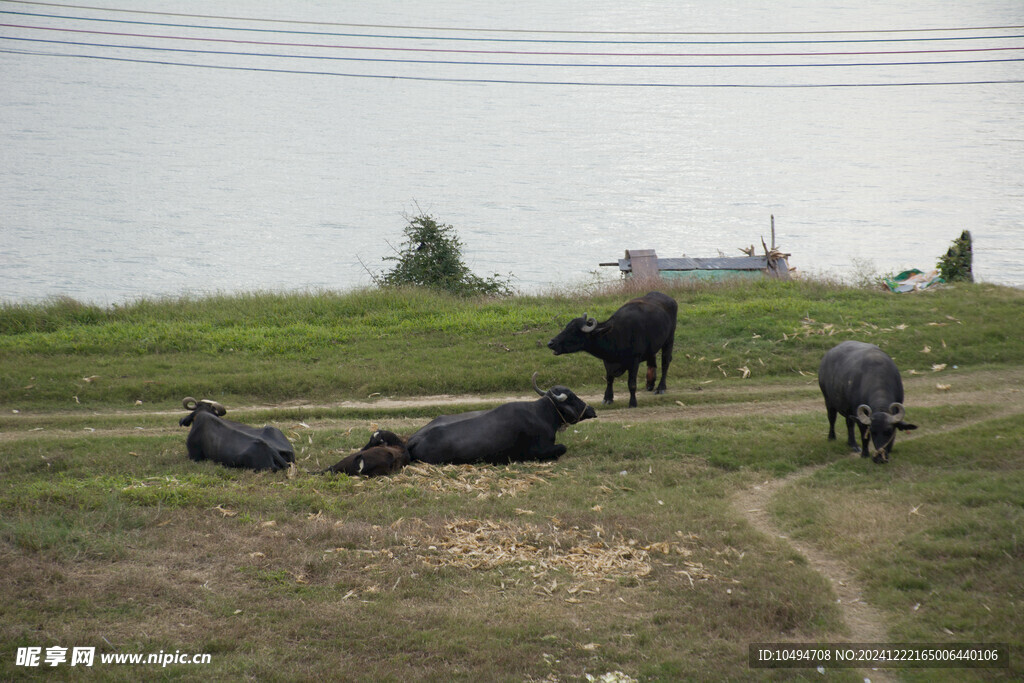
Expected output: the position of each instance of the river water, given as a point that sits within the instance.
(146, 154)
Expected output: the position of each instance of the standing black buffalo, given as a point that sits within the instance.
(861, 382)
(635, 332)
(231, 443)
(384, 453)
(513, 432)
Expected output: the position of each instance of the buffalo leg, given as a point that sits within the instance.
(609, 395)
(550, 452)
(850, 441)
(633, 370)
(666, 358)
(865, 436)
(831, 422)
(652, 372)
(281, 461)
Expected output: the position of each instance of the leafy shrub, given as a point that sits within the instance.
(431, 256)
(956, 264)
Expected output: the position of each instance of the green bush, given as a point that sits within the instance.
(955, 266)
(431, 256)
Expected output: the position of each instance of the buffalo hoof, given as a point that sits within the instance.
(607, 401)
(660, 391)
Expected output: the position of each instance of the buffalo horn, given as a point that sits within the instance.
(898, 412)
(864, 414)
(218, 409)
(189, 403)
(535, 387)
(589, 325)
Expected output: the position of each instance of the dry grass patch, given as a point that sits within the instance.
(485, 482)
(541, 552)
(522, 552)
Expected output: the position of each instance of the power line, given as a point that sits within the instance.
(235, 41)
(512, 40)
(494, 30)
(277, 55)
(501, 81)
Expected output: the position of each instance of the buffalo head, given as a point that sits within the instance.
(570, 407)
(883, 426)
(204, 406)
(574, 337)
(382, 437)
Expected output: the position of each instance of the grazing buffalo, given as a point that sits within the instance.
(231, 443)
(513, 432)
(861, 383)
(384, 453)
(635, 332)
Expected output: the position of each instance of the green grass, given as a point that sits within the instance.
(110, 537)
(324, 346)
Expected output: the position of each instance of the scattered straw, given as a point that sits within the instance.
(476, 544)
(810, 327)
(483, 481)
(539, 550)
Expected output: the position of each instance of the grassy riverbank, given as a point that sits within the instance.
(629, 554)
(273, 348)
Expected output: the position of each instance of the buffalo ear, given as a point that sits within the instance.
(906, 426)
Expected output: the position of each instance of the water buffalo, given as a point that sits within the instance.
(635, 332)
(861, 382)
(513, 432)
(384, 453)
(230, 443)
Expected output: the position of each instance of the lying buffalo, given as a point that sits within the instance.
(384, 453)
(513, 432)
(635, 332)
(861, 382)
(231, 443)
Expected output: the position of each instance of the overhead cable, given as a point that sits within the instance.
(507, 30)
(279, 55)
(236, 41)
(247, 29)
(509, 81)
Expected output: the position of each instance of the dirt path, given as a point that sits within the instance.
(866, 624)
(982, 387)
